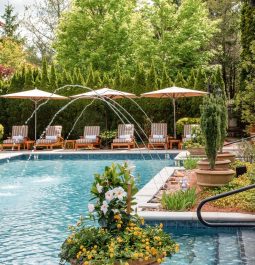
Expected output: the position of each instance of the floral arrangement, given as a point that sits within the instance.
(121, 238)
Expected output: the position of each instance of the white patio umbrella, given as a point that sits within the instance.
(106, 93)
(35, 95)
(174, 93)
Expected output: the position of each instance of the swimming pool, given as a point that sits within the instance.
(39, 198)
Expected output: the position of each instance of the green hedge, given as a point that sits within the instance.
(1, 131)
(186, 120)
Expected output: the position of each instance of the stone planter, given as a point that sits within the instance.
(219, 164)
(197, 151)
(226, 156)
(214, 178)
(130, 262)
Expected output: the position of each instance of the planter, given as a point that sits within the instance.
(226, 156)
(197, 151)
(214, 178)
(130, 262)
(219, 164)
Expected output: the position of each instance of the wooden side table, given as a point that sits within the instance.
(175, 141)
(29, 144)
(69, 144)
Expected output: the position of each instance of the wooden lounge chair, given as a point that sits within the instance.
(52, 138)
(187, 131)
(125, 136)
(90, 138)
(18, 138)
(158, 137)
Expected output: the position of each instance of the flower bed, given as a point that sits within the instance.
(122, 238)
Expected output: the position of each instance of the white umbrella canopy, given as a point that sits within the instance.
(36, 95)
(106, 93)
(174, 93)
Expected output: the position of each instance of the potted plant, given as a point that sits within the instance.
(107, 137)
(210, 126)
(121, 237)
(195, 146)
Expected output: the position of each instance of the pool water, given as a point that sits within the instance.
(40, 198)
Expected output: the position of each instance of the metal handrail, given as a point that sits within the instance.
(222, 195)
(240, 140)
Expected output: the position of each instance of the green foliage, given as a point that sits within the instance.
(107, 136)
(180, 200)
(210, 126)
(190, 163)
(247, 151)
(244, 201)
(93, 245)
(197, 139)
(186, 120)
(1, 131)
(223, 122)
(45, 79)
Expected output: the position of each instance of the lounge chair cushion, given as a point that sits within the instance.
(157, 140)
(86, 141)
(158, 136)
(45, 141)
(12, 141)
(124, 136)
(92, 137)
(51, 137)
(126, 140)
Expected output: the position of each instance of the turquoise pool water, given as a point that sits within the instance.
(40, 198)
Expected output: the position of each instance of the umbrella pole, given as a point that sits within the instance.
(174, 119)
(35, 117)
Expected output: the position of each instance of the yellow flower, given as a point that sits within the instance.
(146, 258)
(118, 226)
(126, 263)
(142, 221)
(159, 260)
(177, 248)
(161, 225)
(85, 263)
(136, 255)
(111, 255)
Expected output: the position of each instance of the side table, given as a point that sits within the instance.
(69, 144)
(175, 141)
(29, 144)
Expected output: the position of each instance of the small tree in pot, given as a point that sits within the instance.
(211, 125)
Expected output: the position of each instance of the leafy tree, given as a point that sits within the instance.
(191, 80)
(226, 42)
(44, 80)
(29, 79)
(179, 80)
(53, 78)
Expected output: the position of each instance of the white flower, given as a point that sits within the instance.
(119, 193)
(104, 207)
(99, 188)
(91, 207)
(109, 195)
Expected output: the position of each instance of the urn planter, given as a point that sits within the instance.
(214, 178)
(226, 156)
(219, 164)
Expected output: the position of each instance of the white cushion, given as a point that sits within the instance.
(17, 137)
(188, 136)
(124, 136)
(91, 137)
(158, 136)
(51, 137)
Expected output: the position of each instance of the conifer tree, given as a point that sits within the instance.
(29, 79)
(179, 80)
(44, 80)
(201, 80)
(152, 78)
(165, 80)
(53, 78)
(140, 81)
(117, 76)
(191, 80)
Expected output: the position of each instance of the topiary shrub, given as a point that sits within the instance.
(1, 131)
(223, 121)
(210, 126)
(186, 120)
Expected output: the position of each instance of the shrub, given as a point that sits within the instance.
(180, 200)
(197, 139)
(190, 163)
(107, 136)
(181, 122)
